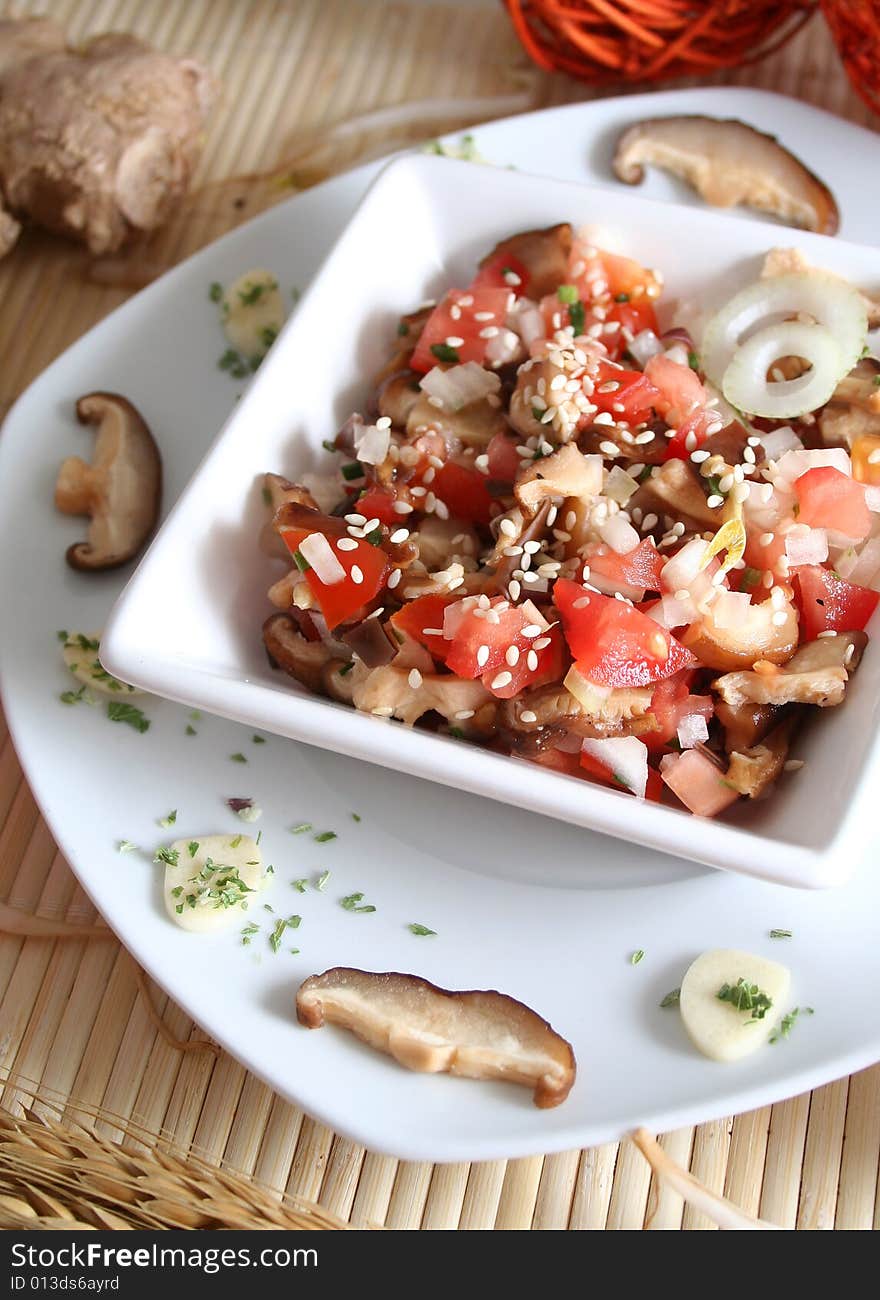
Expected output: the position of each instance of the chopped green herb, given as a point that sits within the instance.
(169, 820)
(267, 497)
(646, 473)
(175, 893)
(621, 297)
(694, 360)
(253, 292)
(749, 578)
(787, 1023)
(567, 293)
(876, 381)
(672, 999)
(415, 928)
(73, 697)
(402, 329)
(259, 836)
(443, 352)
(270, 870)
(62, 635)
(190, 730)
(375, 537)
(620, 781)
(746, 997)
(346, 668)
(87, 643)
(354, 469)
(301, 828)
(301, 562)
(267, 907)
(233, 364)
(713, 485)
(323, 837)
(456, 733)
(179, 908)
(196, 715)
(637, 956)
(248, 932)
(293, 951)
(168, 856)
(215, 293)
(352, 903)
(258, 740)
(119, 712)
(126, 846)
(577, 317)
(781, 934)
(234, 843)
(536, 414)
(321, 882)
(237, 758)
(299, 885)
(268, 336)
(355, 817)
(328, 444)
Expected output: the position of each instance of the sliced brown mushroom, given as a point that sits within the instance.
(752, 771)
(120, 491)
(760, 637)
(567, 473)
(543, 253)
(817, 674)
(397, 397)
(289, 650)
(624, 711)
(744, 725)
(675, 489)
(277, 490)
(389, 692)
(475, 425)
(729, 162)
(474, 1034)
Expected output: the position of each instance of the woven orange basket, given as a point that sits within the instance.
(646, 40)
(855, 25)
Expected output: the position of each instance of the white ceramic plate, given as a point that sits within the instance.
(186, 626)
(463, 866)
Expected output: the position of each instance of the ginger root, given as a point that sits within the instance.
(95, 143)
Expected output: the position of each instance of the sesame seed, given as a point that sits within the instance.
(396, 575)
(543, 643)
(532, 661)
(432, 631)
(604, 417)
(551, 516)
(528, 716)
(482, 656)
(530, 630)
(715, 500)
(461, 715)
(383, 711)
(753, 442)
(850, 651)
(508, 527)
(514, 589)
(650, 521)
(437, 402)
(402, 508)
(609, 448)
(767, 579)
(532, 577)
(356, 574)
(642, 438)
(346, 544)
(414, 678)
(453, 341)
(384, 422)
(355, 519)
(512, 655)
(699, 456)
(748, 455)
(581, 603)
(792, 764)
(829, 633)
(766, 539)
(466, 300)
(531, 548)
(455, 311)
(726, 483)
(502, 680)
(399, 535)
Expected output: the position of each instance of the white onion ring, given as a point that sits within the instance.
(745, 384)
(832, 302)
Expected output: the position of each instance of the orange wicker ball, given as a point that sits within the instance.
(855, 25)
(645, 40)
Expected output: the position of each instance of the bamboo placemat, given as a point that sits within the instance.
(74, 1031)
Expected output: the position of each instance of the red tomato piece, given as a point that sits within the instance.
(698, 423)
(464, 491)
(422, 619)
(681, 392)
(829, 498)
(550, 666)
(444, 324)
(366, 568)
(482, 648)
(639, 567)
(504, 460)
(625, 275)
(613, 643)
(635, 393)
(831, 604)
(378, 503)
(492, 275)
(671, 703)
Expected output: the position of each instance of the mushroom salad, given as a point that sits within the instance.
(568, 534)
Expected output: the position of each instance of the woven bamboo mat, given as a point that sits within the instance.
(74, 1031)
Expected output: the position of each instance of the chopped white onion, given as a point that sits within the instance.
(810, 547)
(645, 345)
(618, 533)
(745, 385)
(872, 498)
(678, 353)
(792, 464)
(619, 485)
(626, 757)
(460, 385)
(613, 586)
(527, 321)
(320, 555)
(371, 443)
(506, 346)
(834, 304)
(681, 569)
(692, 729)
(864, 567)
(730, 610)
(780, 441)
(672, 612)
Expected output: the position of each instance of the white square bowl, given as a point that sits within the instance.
(187, 626)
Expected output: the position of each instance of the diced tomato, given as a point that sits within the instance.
(671, 703)
(464, 491)
(762, 556)
(378, 503)
(639, 567)
(341, 600)
(482, 648)
(829, 498)
(866, 470)
(492, 275)
(830, 604)
(456, 319)
(691, 433)
(681, 392)
(698, 783)
(635, 393)
(625, 275)
(551, 662)
(613, 643)
(504, 460)
(558, 760)
(632, 318)
(596, 770)
(422, 619)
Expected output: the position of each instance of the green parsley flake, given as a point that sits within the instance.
(190, 730)
(354, 469)
(62, 635)
(169, 820)
(234, 364)
(621, 297)
(282, 924)
(258, 740)
(577, 317)
(637, 956)
(196, 715)
(253, 291)
(672, 999)
(323, 837)
(126, 846)
(694, 360)
(300, 885)
(167, 856)
(301, 828)
(746, 997)
(328, 444)
(248, 933)
(749, 578)
(119, 712)
(402, 329)
(415, 928)
(215, 293)
(443, 352)
(192, 848)
(787, 1023)
(352, 903)
(73, 697)
(321, 882)
(237, 758)
(567, 293)
(356, 817)
(301, 562)
(233, 844)
(781, 934)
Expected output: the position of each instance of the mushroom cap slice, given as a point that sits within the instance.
(478, 1035)
(729, 162)
(121, 490)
